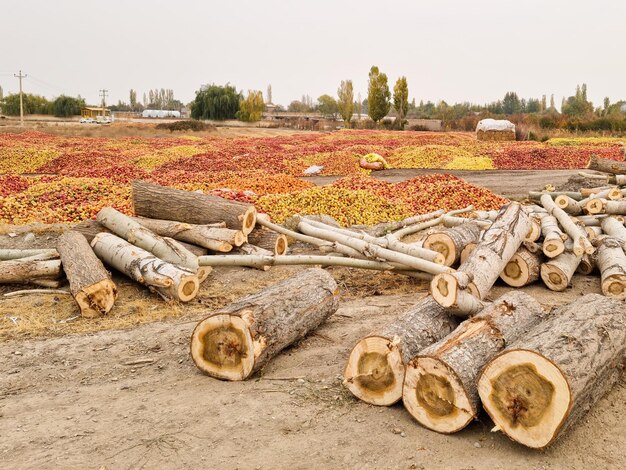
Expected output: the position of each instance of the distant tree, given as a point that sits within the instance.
(297, 106)
(33, 104)
(65, 106)
(544, 103)
(345, 101)
(552, 106)
(327, 106)
(607, 105)
(145, 100)
(269, 93)
(533, 105)
(511, 103)
(578, 105)
(1, 93)
(133, 99)
(378, 95)
(216, 102)
(251, 108)
(401, 100)
(358, 105)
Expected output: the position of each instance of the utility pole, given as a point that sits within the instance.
(103, 94)
(20, 76)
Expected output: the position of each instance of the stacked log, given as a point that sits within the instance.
(450, 242)
(39, 269)
(523, 268)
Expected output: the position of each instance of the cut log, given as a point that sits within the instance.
(605, 206)
(464, 290)
(569, 205)
(195, 249)
(165, 248)
(275, 242)
(545, 382)
(588, 264)
(536, 195)
(591, 220)
(453, 221)
(557, 273)
(466, 252)
(39, 270)
(593, 232)
(606, 166)
(587, 192)
(611, 262)
(485, 215)
(574, 231)
(451, 241)
(90, 228)
(440, 385)
(553, 237)
(90, 283)
(168, 280)
(535, 228)
(236, 341)
(212, 238)
(12, 254)
(615, 229)
(375, 369)
(160, 202)
(251, 250)
(522, 269)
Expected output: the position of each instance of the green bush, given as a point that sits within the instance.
(194, 126)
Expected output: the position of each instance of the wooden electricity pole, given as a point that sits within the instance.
(103, 94)
(20, 76)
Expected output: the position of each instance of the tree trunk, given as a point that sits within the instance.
(464, 290)
(160, 202)
(466, 252)
(440, 384)
(90, 228)
(215, 239)
(574, 231)
(251, 250)
(611, 262)
(615, 229)
(606, 166)
(451, 241)
(39, 270)
(557, 272)
(569, 205)
(165, 248)
(90, 283)
(168, 280)
(545, 382)
(588, 264)
(593, 232)
(536, 195)
(375, 369)
(522, 269)
(13, 254)
(269, 240)
(604, 206)
(238, 340)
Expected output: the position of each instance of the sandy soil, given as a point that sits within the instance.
(132, 399)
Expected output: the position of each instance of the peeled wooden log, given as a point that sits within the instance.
(440, 385)
(453, 221)
(160, 202)
(275, 242)
(611, 262)
(463, 291)
(165, 248)
(239, 339)
(605, 206)
(39, 270)
(251, 250)
(216, 239)
(605, 165)
(569, 205)
(573, 230)
(12, 254)
(375, 369)
(522, 269)
(557, 272)
(168, 280)
(546, 381)
(90, 283)
(536, 195)
(451, 241)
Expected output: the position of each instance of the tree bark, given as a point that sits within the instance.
(375, 369)
(569, 205)
(440, 384)
(464, 290)
(557, 273)
(160, 202)
(13, 254)
(573, 230)
(606, 166)
(39, 270)
(611, 262)
(90, 283)
(522, 269)
(212, 238)
(546, 381)
(168, 280)
(604, 206)
(236, 341)
(615, 229)
(275, 242)
(165, 248)
(451, 241)
(90, 228)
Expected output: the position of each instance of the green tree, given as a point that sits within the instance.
(327, 106)
(345, 102)
(552, 105)
(607, 105)
(133, 99)
(1, 93)
(533, 105)
(511, 103)
(251, 108)
(578, 105)
(401, 100)
(216, 103)
(544, 103)
(65, 106)
(378, 95)
(33, 104)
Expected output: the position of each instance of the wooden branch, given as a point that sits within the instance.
(536, 195)
(236, 341)
(546, 381)
(90, 283)
(14, 254)
(387, 227)
(160, 202)
(440, 385)
(553, 237)
(574, 231)
(251, 250)
(18, 293)
(569, 205)
(38, 270)
(375, 369)
(604, 206)
(452, 221)
(615, 229)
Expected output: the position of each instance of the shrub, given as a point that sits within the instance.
(194, 126)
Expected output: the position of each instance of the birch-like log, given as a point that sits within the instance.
(611, 262)
(588, 264)
(170, 281)
(239, 339)
(557, 273)
(451, 241)
(440, 384)
(545, 382)
(574, 231)
(165, 248)
(39, 270)
(375, 369)
(523, 268)
(90, 283)
(388, 227)
(605, 165)
(615, 229)
(275, 242)
(605, 206)
(553, 237)
(160, 202)
(12, 254)
(464, 290)
(569, 205)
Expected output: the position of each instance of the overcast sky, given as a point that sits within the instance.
(453, 50)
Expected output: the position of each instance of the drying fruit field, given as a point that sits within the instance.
(48, 178)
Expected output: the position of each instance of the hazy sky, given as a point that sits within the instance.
(452, 50)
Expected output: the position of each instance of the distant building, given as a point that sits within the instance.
(160, 113)
(90, 112)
